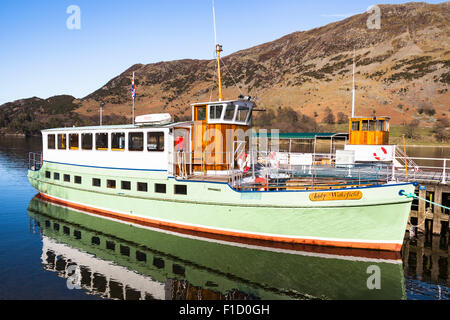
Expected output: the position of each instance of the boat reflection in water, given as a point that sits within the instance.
(116, 260)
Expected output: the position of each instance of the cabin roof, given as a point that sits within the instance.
(114, 127)
(301, 135)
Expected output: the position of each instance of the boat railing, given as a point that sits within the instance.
(426, 169)
(34, 161)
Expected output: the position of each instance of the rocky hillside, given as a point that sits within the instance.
(402, 72)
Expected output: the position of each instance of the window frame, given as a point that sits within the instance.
(160, 140)
(102, 148)
(83, 141)
(53, 142)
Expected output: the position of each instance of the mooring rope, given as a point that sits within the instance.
(413, 195)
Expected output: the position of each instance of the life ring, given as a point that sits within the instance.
(274, 161)
(382, 156)
(243, 163)
(179, 144)
(261, 181)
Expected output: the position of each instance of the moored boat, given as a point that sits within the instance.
(208, 176)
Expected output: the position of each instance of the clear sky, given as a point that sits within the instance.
(40, 56)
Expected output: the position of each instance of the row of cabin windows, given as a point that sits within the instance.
(124, 185)
(370, 125)
(155, 141)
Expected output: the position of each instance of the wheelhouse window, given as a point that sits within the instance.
(229, 113)
(365, 125)
(215, 112)
(381, 125)
(155, 141)
(242, 114)
(73, 141)
(200, 114)
(101, 141)
(51, 141)
(86, 141)
(62, 144)
(136, 141)
(355, 125)
(118, 141)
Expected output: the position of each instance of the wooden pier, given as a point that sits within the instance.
(426, 216)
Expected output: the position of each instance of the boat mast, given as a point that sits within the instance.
(218, 51)
(353, 91)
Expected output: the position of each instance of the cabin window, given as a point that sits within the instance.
(215, 112)
(355, 125)
(229, 113)
(62, 141)
(56, 226)
(118, 141)
(160, 188)
(242, 114)
(365, 125)
(51, 141)
(86, 141)
(56, 176)
(136, 141)
(180, 189)
(96, 182)
(77, 179)
(372, 125)
(126, 185)
(48, 174)
(381, 125)
(73, 141)
(155, 141)
(67, 178)
(142, 186)
(101, 141)
(201, 114)
(111, 184)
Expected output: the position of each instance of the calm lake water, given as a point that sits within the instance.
(52, 252)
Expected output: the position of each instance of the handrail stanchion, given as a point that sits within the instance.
(444, 172)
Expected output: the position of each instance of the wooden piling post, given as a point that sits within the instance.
(421, 212)
(437, 211)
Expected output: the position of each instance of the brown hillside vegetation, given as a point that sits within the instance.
(402, 72)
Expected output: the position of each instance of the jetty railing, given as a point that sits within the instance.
(34, 161)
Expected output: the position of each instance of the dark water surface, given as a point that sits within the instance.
(52, 252)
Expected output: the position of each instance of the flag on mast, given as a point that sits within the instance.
(133, 88)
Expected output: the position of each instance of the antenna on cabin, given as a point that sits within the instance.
(353, 91)
(218, 51)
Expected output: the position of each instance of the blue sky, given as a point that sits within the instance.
(40, 56)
